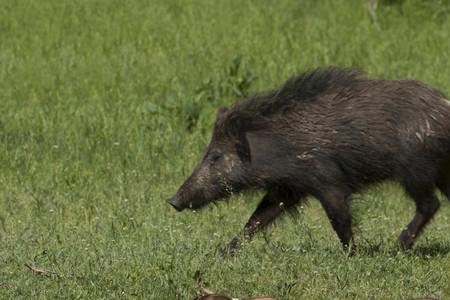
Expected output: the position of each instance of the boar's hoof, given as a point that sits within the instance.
(406, 240)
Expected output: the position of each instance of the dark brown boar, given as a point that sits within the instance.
(327, 133)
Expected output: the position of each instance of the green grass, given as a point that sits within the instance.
(105, 107)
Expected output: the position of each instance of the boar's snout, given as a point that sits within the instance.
(175, 202)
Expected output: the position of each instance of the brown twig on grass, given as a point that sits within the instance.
(207, 291)
(210, 295)
(42, 272)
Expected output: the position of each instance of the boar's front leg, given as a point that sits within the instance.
(335, 203)
(271, 206)
(426, 206)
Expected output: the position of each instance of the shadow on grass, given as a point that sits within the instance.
(430, 250)
(434, 249)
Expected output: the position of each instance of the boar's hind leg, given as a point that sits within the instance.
(335, 203)
(426, 206)
(444, 183)
(271, 206)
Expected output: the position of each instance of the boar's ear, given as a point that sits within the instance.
(243, 147)
(236, 127)
(221, 112)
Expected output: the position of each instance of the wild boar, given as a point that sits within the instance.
(327, 133)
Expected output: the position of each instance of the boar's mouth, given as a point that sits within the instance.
(180, 204)
(175, 203)
(199, 200)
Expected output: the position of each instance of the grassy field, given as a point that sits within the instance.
(106, 105)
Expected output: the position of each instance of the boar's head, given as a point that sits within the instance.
(221, 170)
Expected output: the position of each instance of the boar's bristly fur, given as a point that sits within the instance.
(327, 133)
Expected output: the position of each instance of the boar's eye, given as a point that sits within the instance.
(215, 156)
